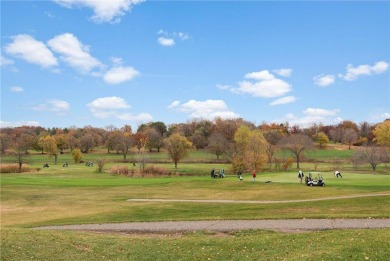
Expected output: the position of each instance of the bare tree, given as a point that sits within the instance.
(297, 144)
(273, 136)
(19, 152)
(218, 144)
(349, 136)
(375, 155)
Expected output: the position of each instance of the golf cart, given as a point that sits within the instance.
(319, 181)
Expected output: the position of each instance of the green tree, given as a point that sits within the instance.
(178, 147)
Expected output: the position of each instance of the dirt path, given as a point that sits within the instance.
(254, 201)
(289, 225)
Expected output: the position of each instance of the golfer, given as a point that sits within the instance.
(254, 175)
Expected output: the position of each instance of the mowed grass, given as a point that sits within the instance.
(20, 244)
(79, 195)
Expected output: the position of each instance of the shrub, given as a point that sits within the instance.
(13, 168)
(156, 170)
(119, 170)
(101, 162)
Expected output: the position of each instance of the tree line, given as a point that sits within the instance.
(240, 142)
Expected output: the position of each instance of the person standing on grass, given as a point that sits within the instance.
(254, 175)
(300, 175)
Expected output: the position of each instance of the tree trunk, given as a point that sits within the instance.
(175, 165)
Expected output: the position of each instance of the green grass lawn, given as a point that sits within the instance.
(79, 194)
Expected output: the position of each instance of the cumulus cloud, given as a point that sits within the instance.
(311, 116)
(260, 84)
(109, 103)
(16, 89)
(120, 74)
(169, 39)
(74, 53)
(283, 100)
(9, 124)
(31, 50)
(107, 107)
(104, 11)
(324, 80)
(208, 109)
(54, 105)
(353, 73)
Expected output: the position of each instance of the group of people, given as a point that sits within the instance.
(301, 175)
(220, 174)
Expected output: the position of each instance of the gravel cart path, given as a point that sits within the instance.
(229, 225)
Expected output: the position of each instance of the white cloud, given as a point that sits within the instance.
(284, 72)
(284, 100)
(4, 61)
(16, 89)
(104, 10)
(53, 105)
(166, 41)
(33, 51)
(324, 80)
(264, 75)
(108, 107)
(311, 116)
(353, 73)
(224, 87)
(109, 103)
(381, 116)
(117, 75)
(320, 112)
(208, 109)
(142, 117)
(8, 124)
(169, 39)
(263, 84)
(266, 88)
(174, 104)
(73, 52)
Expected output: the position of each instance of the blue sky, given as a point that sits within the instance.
(76, 63)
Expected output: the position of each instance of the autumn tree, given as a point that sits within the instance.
(375, 155)
(77, 155)
(321, 138)
(349, 137)
(218, 144)
(20, 154)
(250, 149)
(198, 140)
(273, 136)
(178, 147)
(382, 133)
(126, 141)
(49, 145)
(154, 138)
(297, 144)
(87, 142)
